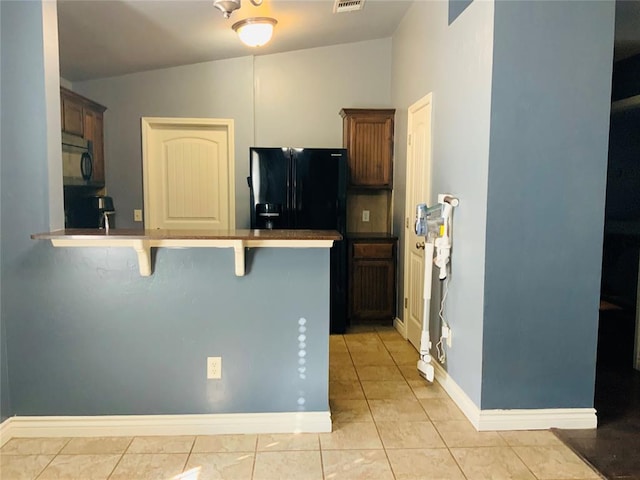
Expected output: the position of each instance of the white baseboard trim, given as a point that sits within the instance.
(538, 419)
(470, 410)
(5, 429)
(149, 425)
(401, 327)
(516, 419)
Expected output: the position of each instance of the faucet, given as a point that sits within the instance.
(104, 220)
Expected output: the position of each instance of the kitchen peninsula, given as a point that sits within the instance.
(270, 327)
(143, 240)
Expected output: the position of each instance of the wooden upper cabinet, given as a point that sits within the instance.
(368, 137)
(72, 119)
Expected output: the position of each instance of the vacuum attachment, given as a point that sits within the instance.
(426, 370)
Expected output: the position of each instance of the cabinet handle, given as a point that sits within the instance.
(420, 245)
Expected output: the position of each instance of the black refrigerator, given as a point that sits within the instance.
(304, 188)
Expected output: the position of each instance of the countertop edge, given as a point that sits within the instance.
(370, 236)
(186, 235)
(142, 241)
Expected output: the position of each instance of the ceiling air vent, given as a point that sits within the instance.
(347, 6)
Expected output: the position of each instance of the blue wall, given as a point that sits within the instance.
(5, 405)
(88, 336)
(24, 193)
(547, 171)
(96, 338)
(454, 63)
(456, 7)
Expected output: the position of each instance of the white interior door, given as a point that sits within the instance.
(188, 174)
(418, 191)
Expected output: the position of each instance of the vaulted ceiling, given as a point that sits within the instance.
(103, 38)
(113, 37)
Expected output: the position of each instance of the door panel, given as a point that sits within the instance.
(320, 178)
(319, 187)
(188, 174)
(190, 166)
(418, 191)
(269, 183)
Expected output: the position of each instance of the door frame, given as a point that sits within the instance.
(636, 349)
(147, 124)
(421, 103)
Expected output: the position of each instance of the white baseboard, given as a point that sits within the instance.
(516, 419)
(401, 327)
(470, 410)
(5, 429)
(148, 425)
(538, 419)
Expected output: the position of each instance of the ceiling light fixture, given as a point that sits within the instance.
(255, 32)
(227, 7)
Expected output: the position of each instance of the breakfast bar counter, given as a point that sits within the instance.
(143, 240)
(146, 318)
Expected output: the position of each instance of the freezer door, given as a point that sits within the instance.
(319, 188)
(269, 183)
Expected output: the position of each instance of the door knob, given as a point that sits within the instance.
(420, 245)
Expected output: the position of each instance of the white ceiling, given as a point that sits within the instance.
(103, 38)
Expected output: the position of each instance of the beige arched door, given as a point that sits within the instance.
(188, 173)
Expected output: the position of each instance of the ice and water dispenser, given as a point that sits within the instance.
(268, 215)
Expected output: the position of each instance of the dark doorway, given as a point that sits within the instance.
(614, 447)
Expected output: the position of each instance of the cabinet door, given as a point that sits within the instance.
(72, 119)
(372, 288)
(368, 136)
(373, 292)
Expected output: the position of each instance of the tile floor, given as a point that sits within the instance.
(388, 424)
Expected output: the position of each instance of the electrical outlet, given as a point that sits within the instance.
(214, 367)
(137, 215)
(446, 333)
(365, 215)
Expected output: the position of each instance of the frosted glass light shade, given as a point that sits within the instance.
(255, 32)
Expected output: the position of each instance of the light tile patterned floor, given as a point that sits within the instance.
(388, 424)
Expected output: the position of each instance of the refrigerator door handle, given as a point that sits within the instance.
(294, 188)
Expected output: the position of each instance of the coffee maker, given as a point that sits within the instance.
(89, 211)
